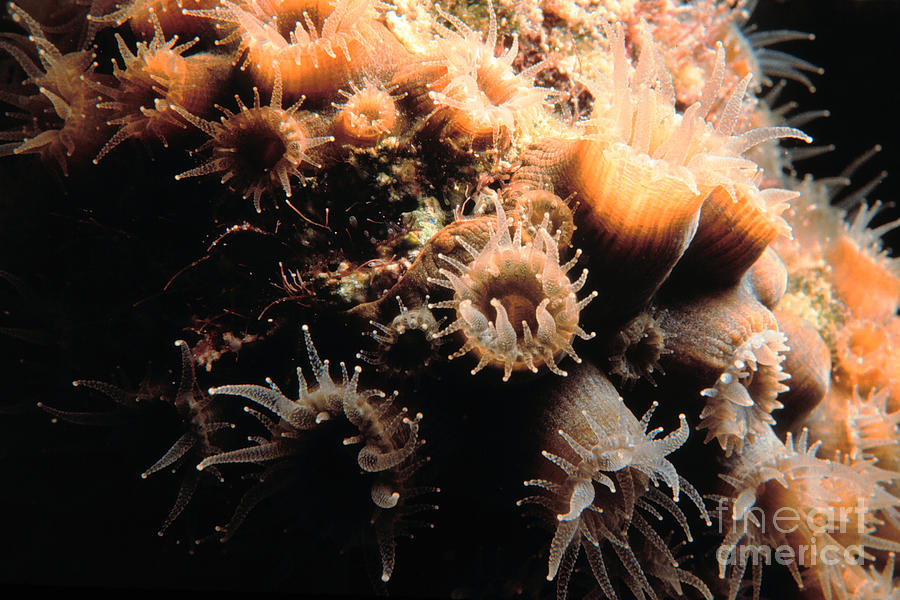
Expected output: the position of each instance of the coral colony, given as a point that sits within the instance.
(585, 324)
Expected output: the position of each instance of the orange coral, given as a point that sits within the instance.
(642, 172)
(826, 511)
(479, 97)
(867, 279)
(259, 147)
(152, 79)
(318, 46)
(64, 121)
(688, 33)
(142, 14)
(514, 304)
(867, 356)
(368, 115)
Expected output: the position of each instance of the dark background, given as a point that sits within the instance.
(857, 45)
(73, 509)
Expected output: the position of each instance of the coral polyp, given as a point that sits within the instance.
(572, 243)
(316, 45)
(151, 80)
(368, 115)
(832, 504)
(479, 97)
(258, 148)
(739, 406)
(63, 122)
(388, 436)
(515, 306)
(408, 344)
(142, 15)
(599, 438)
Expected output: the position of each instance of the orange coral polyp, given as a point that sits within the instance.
(541, 209)
(867, 279)
(258, 148)
(515, 306)
(686, 150)
(479, 97)
(315, 58)
(642, 171)
(152, 79)
(866, 356)
(65, 123)
(141, 14)
(369, 115)
(836, 502)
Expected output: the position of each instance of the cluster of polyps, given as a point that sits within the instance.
(600, 442)
(784, 496)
